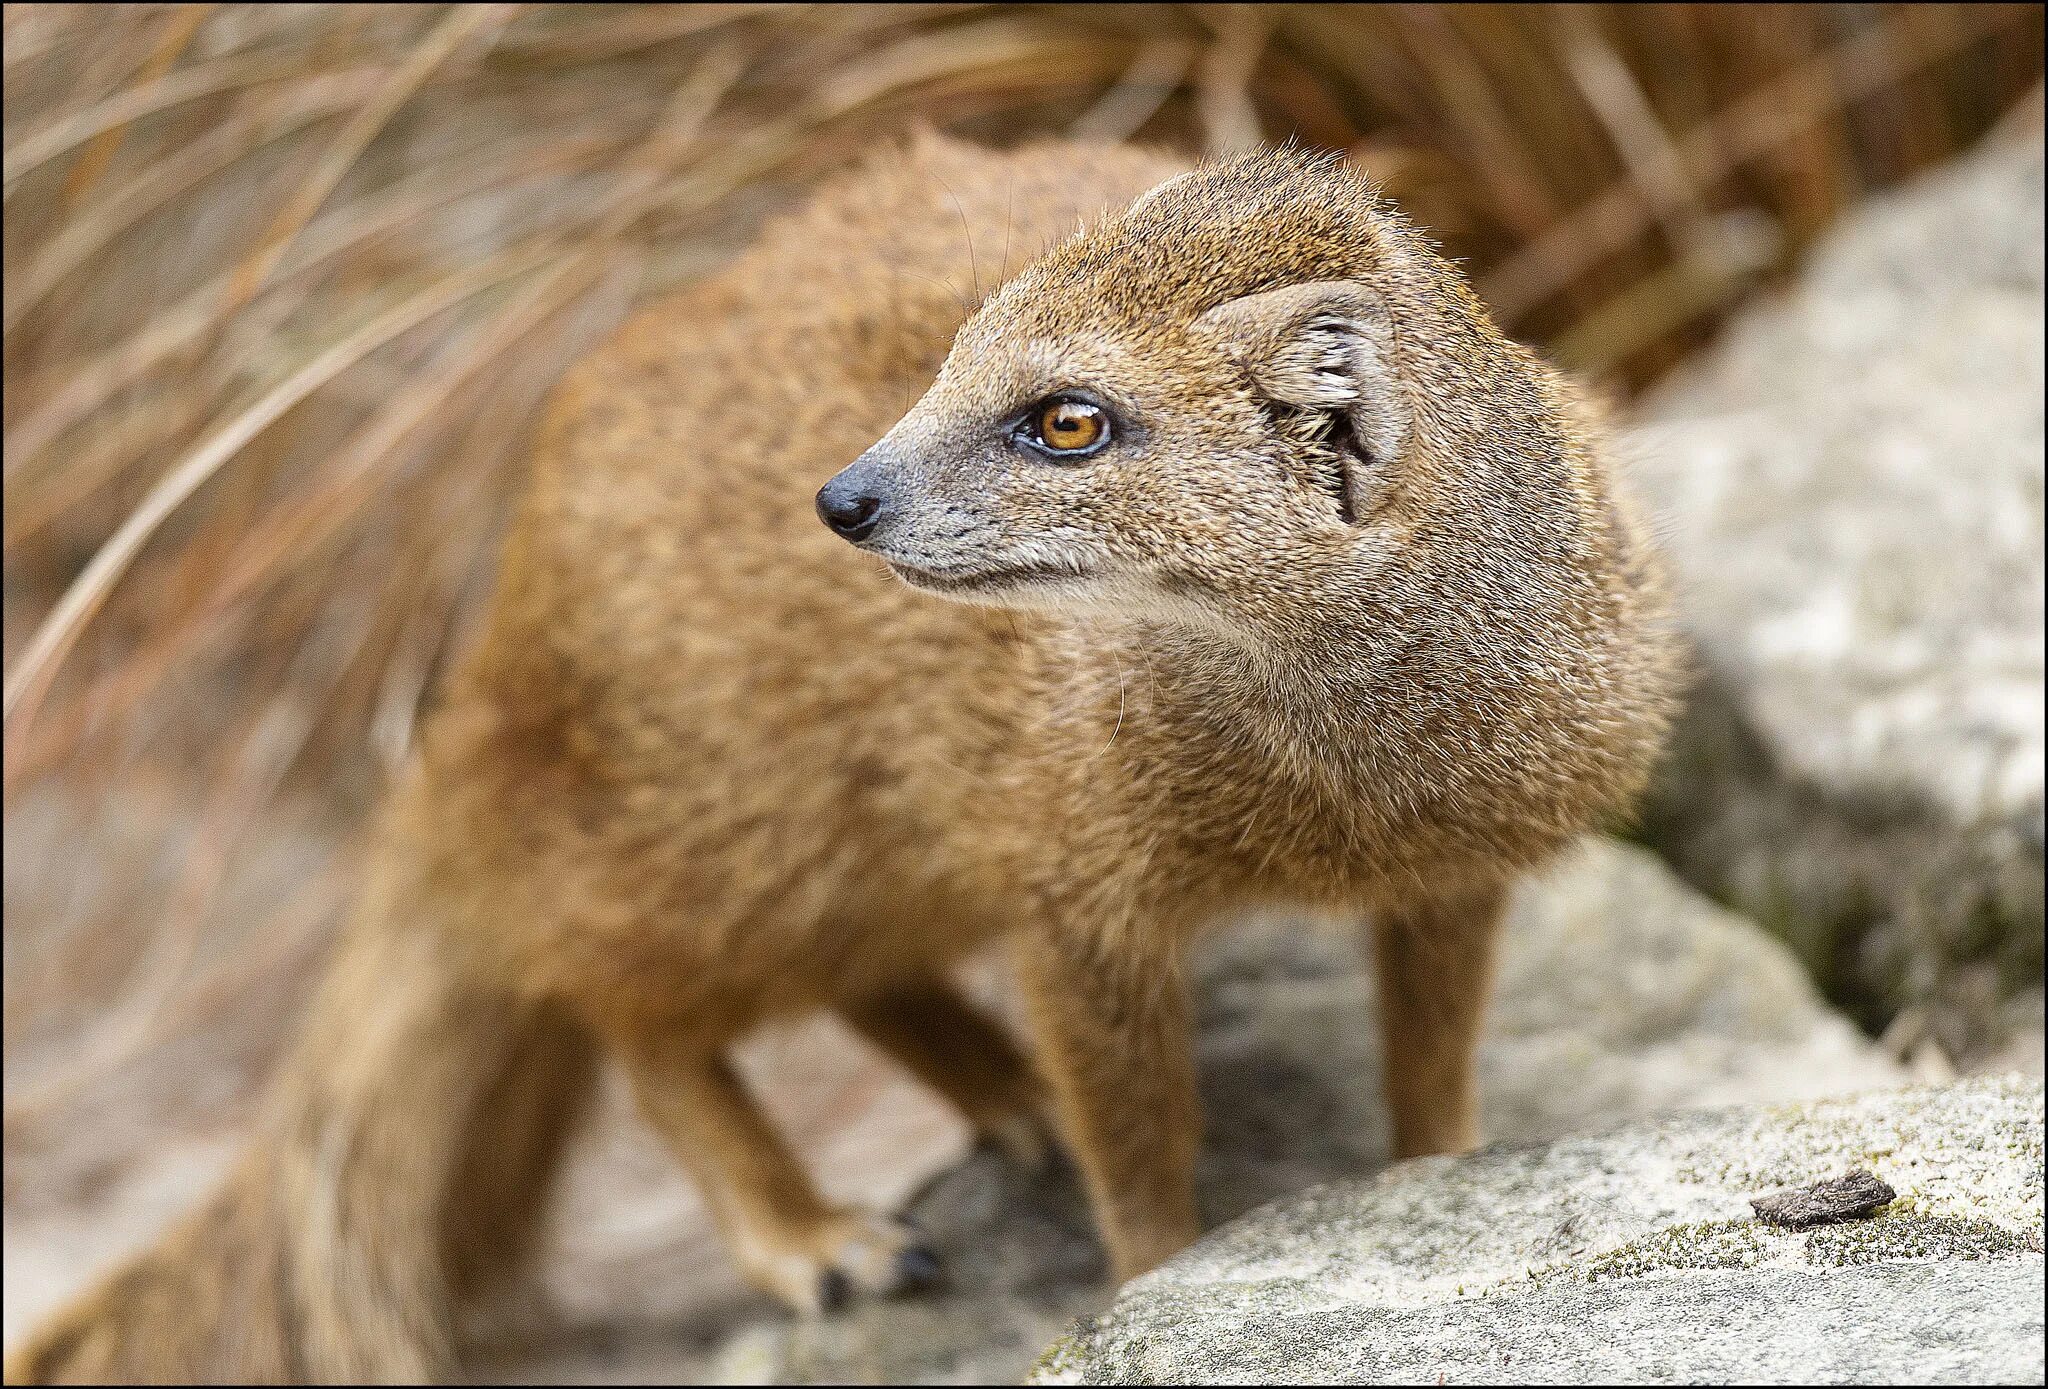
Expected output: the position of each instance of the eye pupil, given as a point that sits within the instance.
(1070, 425)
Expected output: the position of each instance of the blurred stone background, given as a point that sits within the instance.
(284, 286)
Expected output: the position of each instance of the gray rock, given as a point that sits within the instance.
(1624, 1257)
(1850, 491)
(1622, 992)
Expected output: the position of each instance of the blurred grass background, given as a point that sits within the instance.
(286, 283)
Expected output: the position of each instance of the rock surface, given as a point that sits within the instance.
(1622, 992)
(1624, 1257)
(1850, 493)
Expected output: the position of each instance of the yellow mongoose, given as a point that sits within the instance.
(1286, 578)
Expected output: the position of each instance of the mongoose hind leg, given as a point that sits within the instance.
(1116, 1045)
(784, 1237)
(957, 1050)
(498, 1201)
(1435, 962)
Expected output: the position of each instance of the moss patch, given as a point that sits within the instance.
(1057, 1360)
(1733, 1244)
(1707, 1244)
(1908, 1236)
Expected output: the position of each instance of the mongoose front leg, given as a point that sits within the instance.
(783, 1235)
(963, 1054)
(1435, 970)
(1114, 1040)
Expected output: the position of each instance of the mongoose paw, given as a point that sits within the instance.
(882, 1256)
(917, 1269)
(856, 1253)
(833, 1290)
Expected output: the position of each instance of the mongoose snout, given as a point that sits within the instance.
(941, 499)
(851, 503)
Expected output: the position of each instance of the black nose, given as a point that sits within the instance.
(849, 506)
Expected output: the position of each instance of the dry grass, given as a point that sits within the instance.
(284, 285)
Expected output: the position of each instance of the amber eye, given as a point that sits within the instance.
(1065, 425)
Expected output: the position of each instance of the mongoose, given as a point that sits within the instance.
(1226, 555)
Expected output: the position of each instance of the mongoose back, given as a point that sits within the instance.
(1226, 555)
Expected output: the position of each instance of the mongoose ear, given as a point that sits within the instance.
(1322, 356)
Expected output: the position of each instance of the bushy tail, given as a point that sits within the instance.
(403, 1161)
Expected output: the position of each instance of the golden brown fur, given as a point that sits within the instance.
(710, 765)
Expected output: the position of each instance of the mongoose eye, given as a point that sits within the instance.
(1067, 426)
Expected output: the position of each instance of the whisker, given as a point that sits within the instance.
(973, 272)
(1009, 228)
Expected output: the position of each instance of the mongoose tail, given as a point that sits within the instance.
(402, 1163)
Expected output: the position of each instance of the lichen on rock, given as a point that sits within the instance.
(1533, 1263)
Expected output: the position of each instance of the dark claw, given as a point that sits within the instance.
(917, 1268)
(833, 1290)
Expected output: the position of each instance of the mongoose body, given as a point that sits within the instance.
(1226, 556)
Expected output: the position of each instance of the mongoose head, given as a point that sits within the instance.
(1252, 382)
